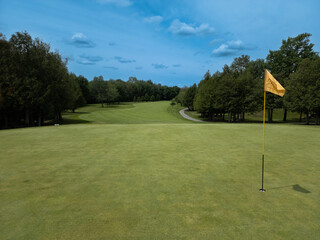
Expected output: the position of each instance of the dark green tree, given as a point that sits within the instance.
(99, 89)
(84, 86)
(189, 97)
(303, 89)
(112, 93)
(285, 61)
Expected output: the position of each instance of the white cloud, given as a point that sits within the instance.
(121, 3)
(231, 48)
(153, 19)
(78, 36)
(215, 41)
(184, 29)
(81, 41)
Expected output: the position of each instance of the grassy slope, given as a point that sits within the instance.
(158, 181)
(127, 113)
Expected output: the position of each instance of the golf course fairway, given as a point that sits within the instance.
(141, 171)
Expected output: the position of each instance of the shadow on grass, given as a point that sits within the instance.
(71, 113)
(298, 188)
(120, 106)
(68, 121)
(295, 187)
(248, 121)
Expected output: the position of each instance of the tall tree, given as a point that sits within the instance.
(22, 45)
(99, 89)
(7, 86)
(75, 95)
(84, 86)
(189, 97)
(112, 93)
(304, 89)
(285, 61)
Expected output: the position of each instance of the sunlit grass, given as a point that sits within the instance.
(167, 179)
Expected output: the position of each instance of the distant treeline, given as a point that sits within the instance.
(238, 89)
(135, 90)
(36, 86)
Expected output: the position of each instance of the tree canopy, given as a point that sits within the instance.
(36, 86)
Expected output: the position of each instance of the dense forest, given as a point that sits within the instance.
(238, 89)
(36, 86)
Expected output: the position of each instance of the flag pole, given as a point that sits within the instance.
(264, 123)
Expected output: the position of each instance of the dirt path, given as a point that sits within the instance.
(187, 117)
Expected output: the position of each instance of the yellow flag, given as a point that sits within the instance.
(272, 85)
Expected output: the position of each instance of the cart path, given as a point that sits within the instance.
(187, 117)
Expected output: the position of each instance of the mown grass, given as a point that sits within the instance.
(168, 179)
(126, 113)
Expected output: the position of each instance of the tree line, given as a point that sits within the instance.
(36, 86)
(133, 90)
(238, 89)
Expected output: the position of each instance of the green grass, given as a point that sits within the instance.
(168, 179)
(127, 113)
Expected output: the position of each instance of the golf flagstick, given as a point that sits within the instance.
(264, 123)
(273, 86)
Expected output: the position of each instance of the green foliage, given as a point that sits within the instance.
(84, 86)
(179, 98)
(304, 89)
(237, 90)
(285, 61)
(146, 97)
(34, 83)
(189, 96)
(112, 93)
(136, 90)
(99, 88)
(75, 95)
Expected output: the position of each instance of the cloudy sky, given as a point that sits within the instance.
(172, 42)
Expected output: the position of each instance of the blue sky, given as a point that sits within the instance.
(170, 42)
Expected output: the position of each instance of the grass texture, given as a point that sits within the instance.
(167, 178)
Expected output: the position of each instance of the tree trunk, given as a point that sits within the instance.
(307, 118)
(270, 113)
(317, 116)
(27, 119)
(102, 104)
(31, 120)
(60, 117)
(222, 116)
(73, 110)
(6, 125)
(234, 117)
(242, 117)
(300, 119)
(39, 120)
(229, 117)
(285, 115)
